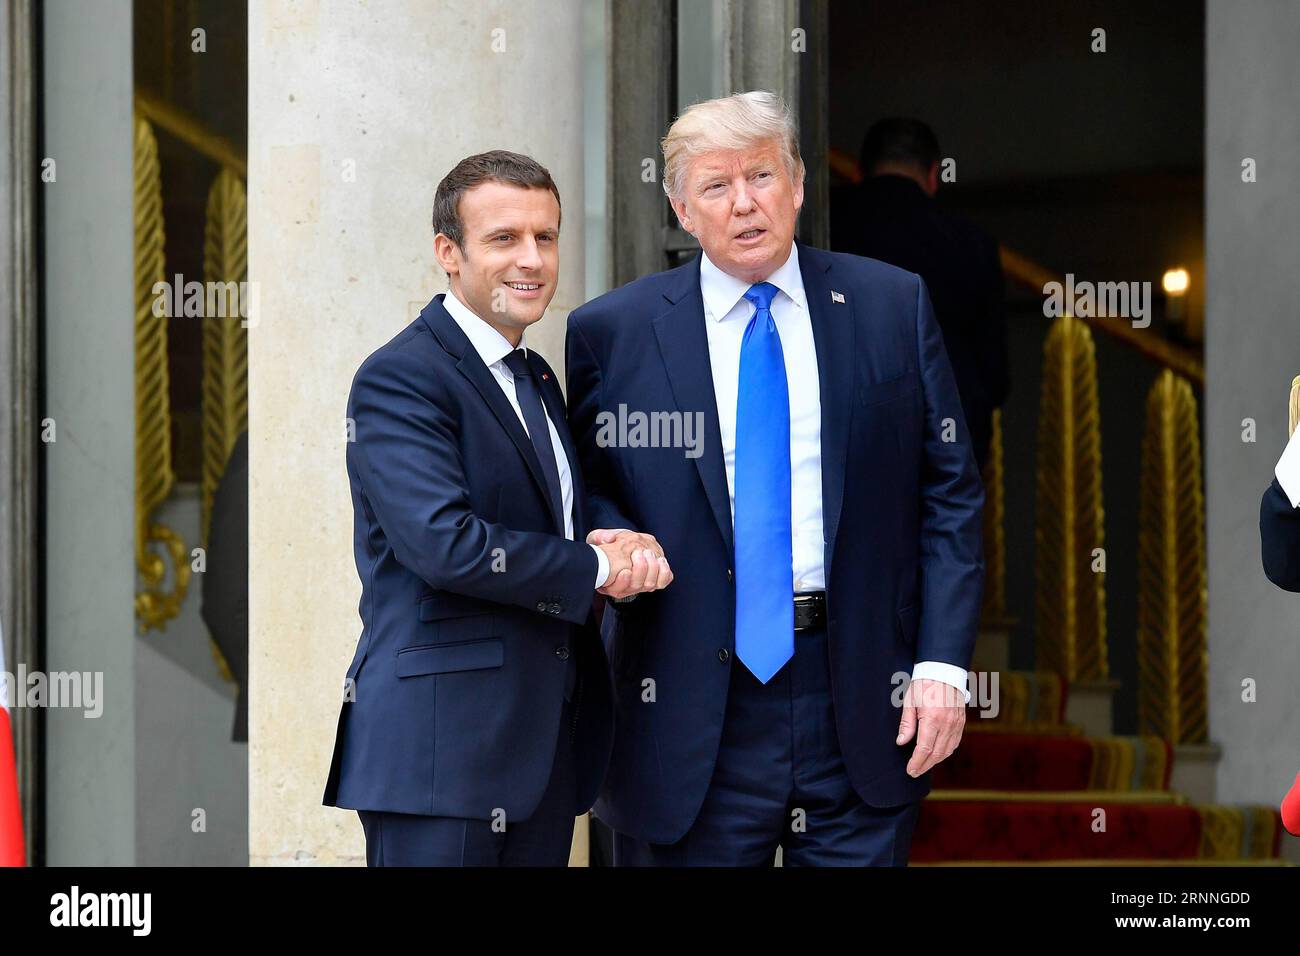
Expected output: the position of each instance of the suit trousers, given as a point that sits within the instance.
(780, 780)
(544, 839)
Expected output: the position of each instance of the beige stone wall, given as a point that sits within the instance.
(355, 112)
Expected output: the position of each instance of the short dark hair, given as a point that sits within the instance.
(898, 139)
(494, 166)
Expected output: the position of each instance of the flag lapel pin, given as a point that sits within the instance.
(837, 296)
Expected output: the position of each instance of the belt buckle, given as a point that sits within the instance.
(808, 603)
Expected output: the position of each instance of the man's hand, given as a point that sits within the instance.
(940, 709)
(636, 562)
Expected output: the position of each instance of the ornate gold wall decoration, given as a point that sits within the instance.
(995, 538)
(1171, 611)
(1070, 599)
(225, 340)
(153, 461)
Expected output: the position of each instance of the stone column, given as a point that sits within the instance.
(355, 112)
(19, 574)
(89, 396)
(1252, 350)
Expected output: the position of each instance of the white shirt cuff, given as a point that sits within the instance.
(602, 567)
(938, 670)
(1288, 470)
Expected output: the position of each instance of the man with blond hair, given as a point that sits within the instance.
(824, 535)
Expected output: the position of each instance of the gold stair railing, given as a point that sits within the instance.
(1034, 277)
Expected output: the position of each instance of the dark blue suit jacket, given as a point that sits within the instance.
(472, 599)
(902, 519)
(1279, 538)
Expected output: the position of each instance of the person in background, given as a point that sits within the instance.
(1279, 512)
(892, 216)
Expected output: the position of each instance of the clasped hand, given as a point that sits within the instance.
(636, 562)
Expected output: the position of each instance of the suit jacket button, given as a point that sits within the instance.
(555, 609)
(541, 605)
(562, 652)
(729, 575)
(724, 655)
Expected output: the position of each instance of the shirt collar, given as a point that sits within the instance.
(490, 344)
(722, 291)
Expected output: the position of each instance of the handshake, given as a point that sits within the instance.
(636, 562)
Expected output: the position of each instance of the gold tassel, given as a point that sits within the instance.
(225, 344)
(1171, 619)
(225, 340)
(153, 452)
(1070, 599)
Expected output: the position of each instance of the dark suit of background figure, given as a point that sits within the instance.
(1279, 534)
(890, 218)
(225, 578)
(476, 612)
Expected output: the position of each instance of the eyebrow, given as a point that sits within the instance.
(497, 230)
(720, 172)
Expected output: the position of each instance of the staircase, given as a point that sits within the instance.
(1037, 781)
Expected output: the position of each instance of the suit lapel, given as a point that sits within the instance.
(470, 365)
(833, 333)
(684, 345)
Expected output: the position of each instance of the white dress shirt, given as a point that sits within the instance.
(727, 312)
(492, 348)
(1288, 470)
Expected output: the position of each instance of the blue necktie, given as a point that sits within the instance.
(764, 551)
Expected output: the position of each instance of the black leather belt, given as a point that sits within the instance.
(809, 610)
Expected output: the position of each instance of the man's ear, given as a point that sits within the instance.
(683, 216)
(447, 254)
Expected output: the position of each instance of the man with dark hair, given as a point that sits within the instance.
(476, 721)
(892, 216)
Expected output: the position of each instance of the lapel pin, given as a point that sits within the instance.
(837, 296)
(546, 377)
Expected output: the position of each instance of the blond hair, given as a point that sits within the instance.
(739, 121)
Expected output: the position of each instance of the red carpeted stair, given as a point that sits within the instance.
(1027, 787)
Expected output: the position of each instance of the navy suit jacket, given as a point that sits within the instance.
(472, 599)
(1279, 537)
(901, 517)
